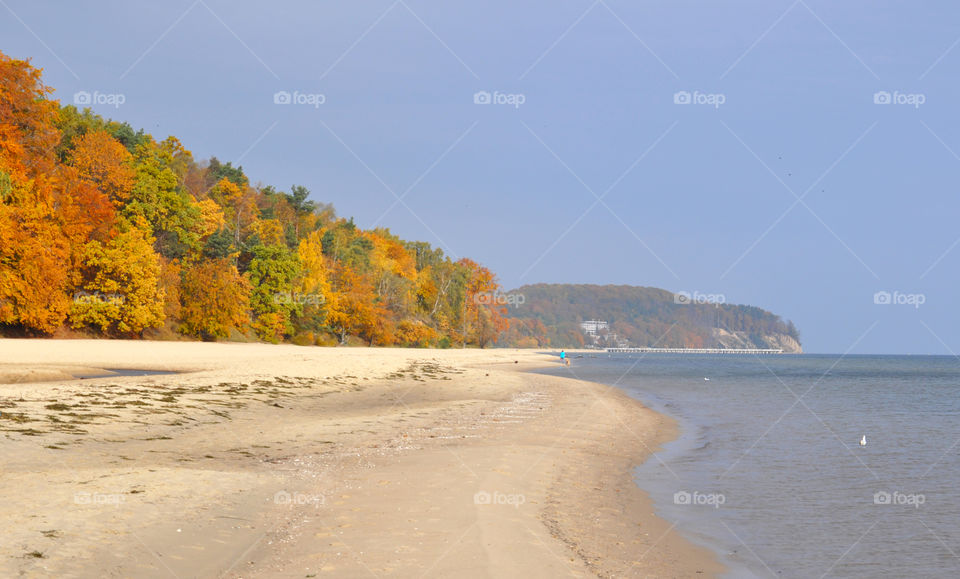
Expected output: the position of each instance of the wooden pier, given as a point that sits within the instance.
(695, 350)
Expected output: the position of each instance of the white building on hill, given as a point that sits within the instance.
(593, 327)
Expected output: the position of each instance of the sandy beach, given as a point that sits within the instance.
(282, 461)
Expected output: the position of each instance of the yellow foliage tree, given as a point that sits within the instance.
(211, 217)
(315, 280)
(394, 275)
(270, 232)
(239, 205)
(122, 293)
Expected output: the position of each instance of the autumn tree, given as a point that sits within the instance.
(212, 219)
(313, 293)
(122, 293)
(484, 317)
(239, 207)
(171, 272)
(158, 198)
(34, 269)
(28, 133)
(214, 299)
(269, 232)
(34, 252)
(272, 273)
(415, 334)
(354, 308)
(83, 211)
(74, 123)
(302, 206)
(344, 244)
(393, 272)
(102, 160)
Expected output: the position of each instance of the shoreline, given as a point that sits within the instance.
(283, 461)
(679, 447)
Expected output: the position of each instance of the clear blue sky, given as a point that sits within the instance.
(694, 197)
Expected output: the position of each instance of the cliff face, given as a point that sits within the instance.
(725, 339)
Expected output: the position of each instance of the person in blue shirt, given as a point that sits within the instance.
(563, 357)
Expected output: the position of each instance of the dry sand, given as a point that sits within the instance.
(282, 461)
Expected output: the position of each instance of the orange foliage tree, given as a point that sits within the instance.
(484, 318)
(34, 269)
(34, 253)
(28, 133)
(214, 299)
(102, 160)
(355, 308)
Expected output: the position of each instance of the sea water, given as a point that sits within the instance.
(769, 470)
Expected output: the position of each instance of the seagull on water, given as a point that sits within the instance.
(863, 440)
